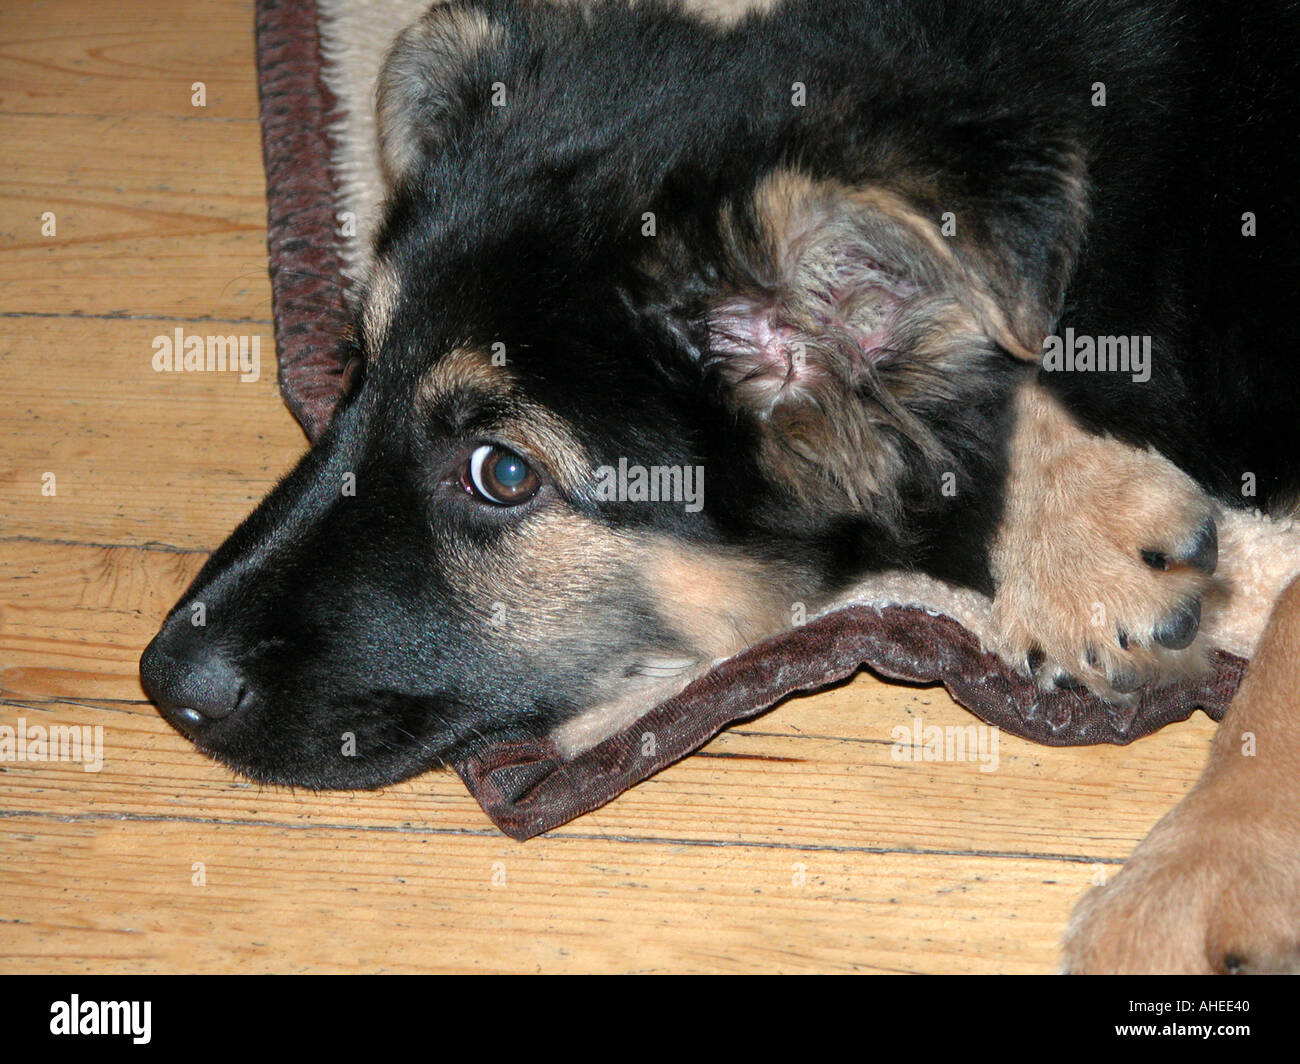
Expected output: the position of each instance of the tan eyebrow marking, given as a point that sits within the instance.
(529, 427)
(464, 369)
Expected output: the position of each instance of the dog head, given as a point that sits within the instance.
(641, 376)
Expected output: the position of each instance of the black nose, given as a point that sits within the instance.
(191, 681)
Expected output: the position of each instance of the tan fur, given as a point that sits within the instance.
(537, 598)
(717, 602)
(725, 12)
(969, 275)
(807, 220)
(530, 429)
(463, 370)
(1080, 510)
(382, 294)
(413, 84)
(975, 295)
(556, 563)
(1215, 887)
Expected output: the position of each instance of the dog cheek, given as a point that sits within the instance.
(719, 601)
(554, 602)
(610, 624)
(709, 604)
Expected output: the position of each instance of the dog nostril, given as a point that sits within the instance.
(194, 685)
(192, 717)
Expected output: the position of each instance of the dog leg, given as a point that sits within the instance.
(1104, 557)
(1215, 887)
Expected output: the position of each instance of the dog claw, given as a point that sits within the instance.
(1126, 682)
(1179, 629)
(1156, 559)
(1204, 555)
(1034, 659)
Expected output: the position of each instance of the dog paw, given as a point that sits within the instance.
(1208, 892)
(1105, 564)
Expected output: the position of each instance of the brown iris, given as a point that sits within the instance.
(500, 476)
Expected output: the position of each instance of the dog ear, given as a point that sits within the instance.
(422, 78)
(847, 324)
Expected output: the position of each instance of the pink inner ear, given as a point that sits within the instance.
(783, 347)
(750, 337)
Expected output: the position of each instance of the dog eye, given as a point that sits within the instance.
(353, 373)
(500, 476)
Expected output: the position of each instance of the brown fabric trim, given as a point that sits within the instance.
(526, 788)
(307, 288)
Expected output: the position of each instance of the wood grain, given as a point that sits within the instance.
(794, 843)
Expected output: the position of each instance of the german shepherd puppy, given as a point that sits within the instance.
(674, 324)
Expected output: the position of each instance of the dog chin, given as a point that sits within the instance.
(312, 773)
(345, 766)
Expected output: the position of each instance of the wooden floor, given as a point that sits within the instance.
(794, 843)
